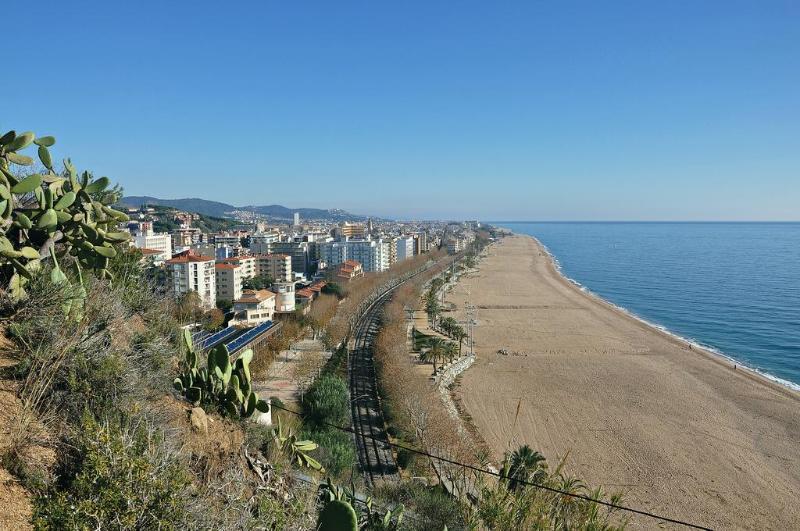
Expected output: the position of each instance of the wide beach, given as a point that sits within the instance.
(678, 430)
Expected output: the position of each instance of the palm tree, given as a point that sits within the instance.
(432, 308)
(450, 350)
(435, 352)
(448, 325)
(524, 465)
(461, 335)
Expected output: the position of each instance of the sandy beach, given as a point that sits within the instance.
(678, 430)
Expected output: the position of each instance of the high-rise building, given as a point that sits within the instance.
(405, 248)
(229, 281)
(296, 219)
(372, 254)
(261, 243)
(278, 267)
(189, 271)
(145, 238)
(302, 253)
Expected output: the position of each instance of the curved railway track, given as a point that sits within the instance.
(372, 442)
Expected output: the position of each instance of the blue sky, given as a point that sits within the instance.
(491, 110)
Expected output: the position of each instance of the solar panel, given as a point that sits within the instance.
(218, 337)
(244, 339)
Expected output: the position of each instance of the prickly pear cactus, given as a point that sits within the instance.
(221, 384)
(337, 515)
(51, 211)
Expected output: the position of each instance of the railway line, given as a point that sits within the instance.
(375, 456)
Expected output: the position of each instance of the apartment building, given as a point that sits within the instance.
(229, 281)
(145, 238)
(373, 255)
(229, 239)
(187, 236)
(276, 266)
(351, 230)
(420, 242)
(303, 254)
(190, 271)
(404, 248)
(261, 243)
(253, 307)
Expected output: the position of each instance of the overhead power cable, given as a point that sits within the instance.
(498, 475)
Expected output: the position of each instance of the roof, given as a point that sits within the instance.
(225, 266)
(146, 251)
(187, 256)
(250, 295)
(351, 263)
(305, 293)
(317, 286)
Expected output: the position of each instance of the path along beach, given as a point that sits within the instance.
(679, 430)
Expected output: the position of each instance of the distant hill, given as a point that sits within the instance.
(201, 206)
(217, 209)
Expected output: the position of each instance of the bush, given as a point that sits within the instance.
(335, 452)
(431, 506)
(119, 477)
(327, 401)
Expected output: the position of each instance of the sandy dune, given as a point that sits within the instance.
(679, 431)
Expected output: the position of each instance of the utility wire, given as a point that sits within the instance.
(498, 475)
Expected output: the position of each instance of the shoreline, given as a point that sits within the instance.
(628, 404)
(704, 350)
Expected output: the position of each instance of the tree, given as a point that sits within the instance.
(257, 282)
(187, 308)
(213, 319)
(460, 334)
(225, 305)
(450, 350)
(432, 308)
(334, 289)
(435, 353)
(524, 465)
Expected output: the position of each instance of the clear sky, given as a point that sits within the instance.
(589, 110)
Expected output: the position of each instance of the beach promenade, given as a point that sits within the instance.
(678, 430)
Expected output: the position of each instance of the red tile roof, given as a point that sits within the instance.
(249, 295)
(189, 256)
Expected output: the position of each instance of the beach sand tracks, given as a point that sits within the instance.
(680, 430)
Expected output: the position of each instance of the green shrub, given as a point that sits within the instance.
(327, 401)
(119, 477)
(335, 452)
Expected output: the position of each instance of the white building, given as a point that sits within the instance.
(373, 255)
(253, 307)
(228, 239)
(405, 248)
(189, 271)
(229, 281)
(275, 266)
(261, 243)
(145, 238)
(296, 219)
(285, 293)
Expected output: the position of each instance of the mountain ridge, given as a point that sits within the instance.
(219, 209)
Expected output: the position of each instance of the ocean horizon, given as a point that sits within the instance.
(732, 287)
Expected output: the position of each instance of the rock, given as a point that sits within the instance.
(199, 420)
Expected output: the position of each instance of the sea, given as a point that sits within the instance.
(733, 288)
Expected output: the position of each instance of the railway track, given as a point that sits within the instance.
(375, 456)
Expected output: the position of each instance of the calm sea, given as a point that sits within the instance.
(733, 287)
